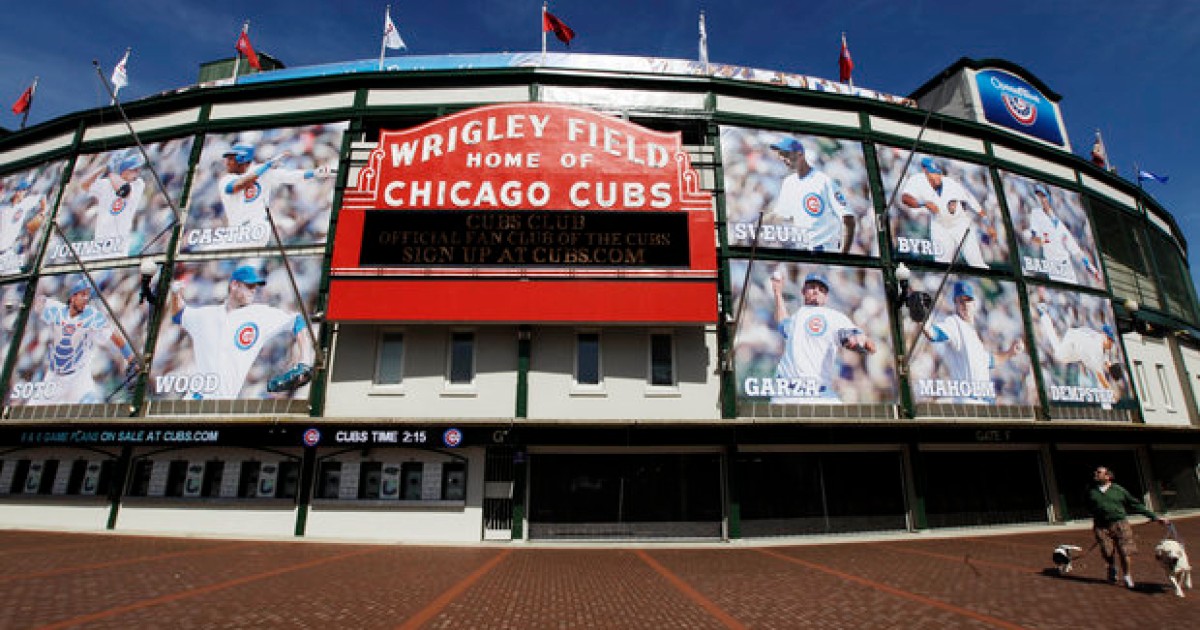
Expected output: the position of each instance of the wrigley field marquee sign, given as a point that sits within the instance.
(538, 212)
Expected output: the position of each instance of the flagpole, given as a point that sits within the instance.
(387, 18)
(32, 91)
(544, 33)
(237, 60)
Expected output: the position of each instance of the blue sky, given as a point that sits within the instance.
(1126, 68)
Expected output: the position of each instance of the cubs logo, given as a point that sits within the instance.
(452, 438)
(813, 204)
(816, 325)
(68, 329)
(118, 205)
(251, 192)
(246, 336)
(312, 437)
(1022, 110)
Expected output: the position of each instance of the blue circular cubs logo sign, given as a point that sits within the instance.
(251, 192)
(118, 205)
(312, 437)
(1022, 110)
(813, 204)
(816, 325)
(246, 336)
(452, 437)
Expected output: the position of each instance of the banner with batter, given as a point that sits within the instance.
(540, 212)
(112, 207)
(812, 334)
(75, 349)
(1079, 348)
(1054, 234)
(26, 204)
(289, 172)
(942, 206)
(233, 329)
(811, 192)
(969, 348)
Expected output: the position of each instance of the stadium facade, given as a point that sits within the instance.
(546, 297)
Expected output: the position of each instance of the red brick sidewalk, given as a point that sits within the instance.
(50, 580)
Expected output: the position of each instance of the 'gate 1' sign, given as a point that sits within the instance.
(539, 212)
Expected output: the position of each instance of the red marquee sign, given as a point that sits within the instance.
(526, 213)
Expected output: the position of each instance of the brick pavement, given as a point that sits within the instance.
(59, 580)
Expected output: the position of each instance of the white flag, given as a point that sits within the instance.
(391, 37)
(703, 41)
(119, 77)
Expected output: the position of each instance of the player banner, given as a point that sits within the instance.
(73, 351)
(232, 329)
(1079, 348)
(112, 208)
(26, 202)
(812, 192)
(290, 171)
(812, 334)
(940, 202)
(1054, 235)
(970, 348)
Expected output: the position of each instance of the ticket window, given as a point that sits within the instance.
(248, 480)
(268, 479)
(177, 476)
(289, 479)
(83, 471)
(33, 478)
(370, 476)
(214, 472)
(329, 480)
(17, 470)
(193, 485)
(454, 481)
(139, 486)
(389, 485)
(411, 475)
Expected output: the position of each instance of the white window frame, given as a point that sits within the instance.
(1165, 386)
(669, 389)
(461, 388)
(396, 388)
(587, 389)
(1139, 373)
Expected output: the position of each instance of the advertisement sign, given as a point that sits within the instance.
(540, 212)
(1078, 348)
(971, 348)
(939, 203)
(73, 351)
(112, 207)
(26, 202)
(812, 334)
(232, 329)
(1054, 235)
(812, 192)
(240, 176)
(1010, 101)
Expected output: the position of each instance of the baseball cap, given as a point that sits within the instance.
(125, 160)
(963, 289)
(1040, 189)
(23, 185)
(242, 153)
(930, 166)
(247, 275)
(789, 144)
(81, 285)
(1109, 332)
(816, 277)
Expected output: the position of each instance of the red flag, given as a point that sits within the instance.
(23, 103)
(845, 63)
(243, 46)
(560, 28)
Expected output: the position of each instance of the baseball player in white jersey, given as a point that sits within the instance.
(967, 361)
(1059, 247)
(811, 204)
(953, 210)
(228, 337)
(246, 191)
(1089, 347)
(77, 328)
(22, 213)
(813, 335)
(118, 197)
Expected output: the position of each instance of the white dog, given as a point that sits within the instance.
(1171, 554)
(1062, 557)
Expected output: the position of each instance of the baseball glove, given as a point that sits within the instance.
(1116, 372)
(920, 305)
(291, 380)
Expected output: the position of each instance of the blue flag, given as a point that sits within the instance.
(1143, 175)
